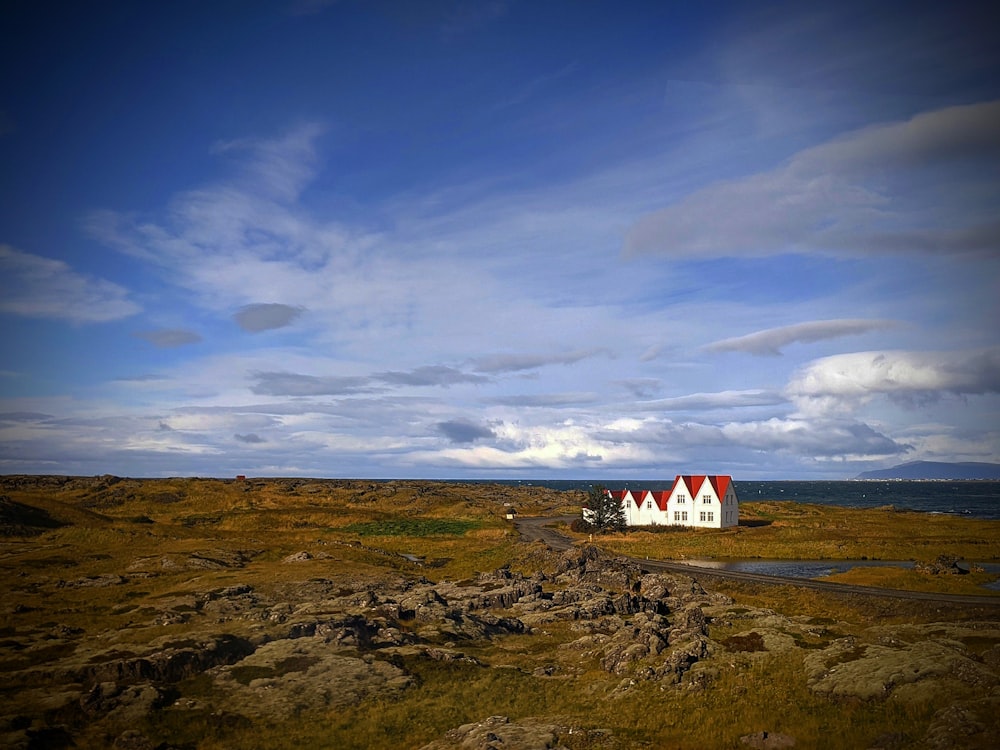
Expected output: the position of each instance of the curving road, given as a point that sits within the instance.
(540, 529)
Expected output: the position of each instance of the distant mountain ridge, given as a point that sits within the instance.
(935, 470)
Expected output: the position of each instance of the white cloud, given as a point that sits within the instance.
(848, 381)
(233, 244)
(37, 287)
(771, 341)
(553, 447)
(815, 438)
(238, 241)
(838, 197)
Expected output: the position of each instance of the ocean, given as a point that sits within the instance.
(976, 499)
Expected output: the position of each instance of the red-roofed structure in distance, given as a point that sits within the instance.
(707, 501)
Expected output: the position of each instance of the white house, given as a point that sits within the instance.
(707, 501)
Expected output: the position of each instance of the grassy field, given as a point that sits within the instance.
(171, 541)
(787, 530)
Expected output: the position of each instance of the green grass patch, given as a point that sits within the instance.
(418, 527)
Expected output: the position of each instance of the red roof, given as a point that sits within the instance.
(692, 483)
(721, 483)
(661, 498)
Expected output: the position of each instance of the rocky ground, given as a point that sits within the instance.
(201, 640)
(317, 643)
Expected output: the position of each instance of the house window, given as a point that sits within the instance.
(711, 516)
(677, 515)
(702, 517)
(706, 498)
(680, 499)
(649, 505)
(684, 515)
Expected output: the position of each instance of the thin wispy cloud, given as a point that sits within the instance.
(545, 400)
(700, 402)
(430, 375)
(279, 383)
(24, 416)
(146, 377)
(37, 287)
(835, 197)
(770, 342)
(168, 338)
(278, 167)
(298, 384)
(499, 363)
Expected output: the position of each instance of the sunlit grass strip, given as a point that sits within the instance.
(790, 530)
(911, 580)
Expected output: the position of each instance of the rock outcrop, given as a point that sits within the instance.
(924, 667)
(941, 565)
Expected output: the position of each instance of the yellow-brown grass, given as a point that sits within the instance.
(790, 530)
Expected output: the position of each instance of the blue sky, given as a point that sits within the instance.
(498, 239)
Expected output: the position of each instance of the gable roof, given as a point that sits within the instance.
(639, 496)
(693, 482)
(720, 482)
(661, 498)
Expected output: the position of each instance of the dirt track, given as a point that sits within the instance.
(541, 529)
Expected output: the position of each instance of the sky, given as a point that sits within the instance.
(498, 239)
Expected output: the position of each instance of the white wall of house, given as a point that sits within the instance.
(647, 514)
(694, 500)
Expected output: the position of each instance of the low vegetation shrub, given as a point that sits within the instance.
(752, 641)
